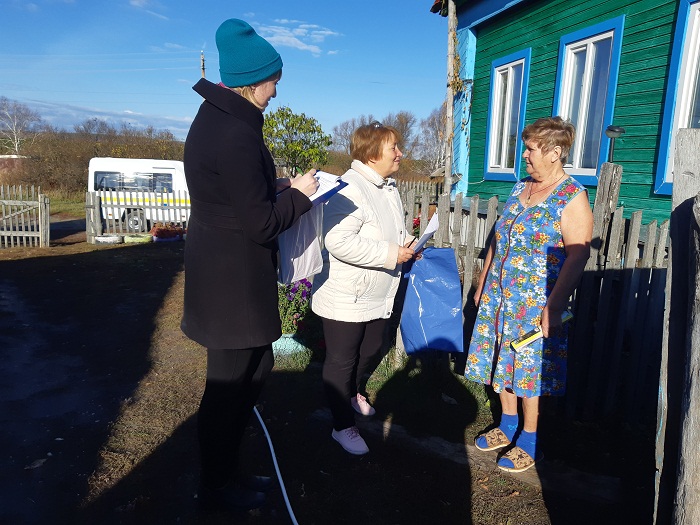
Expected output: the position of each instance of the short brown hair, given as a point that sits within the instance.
(549, 133)
(367, 141)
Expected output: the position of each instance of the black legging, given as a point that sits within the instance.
(234, 381)
(352, 351)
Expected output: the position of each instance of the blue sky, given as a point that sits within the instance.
(135, 61)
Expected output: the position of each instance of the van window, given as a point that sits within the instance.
(163, 182)
(159, 182)
(107, 180)
(139, 181)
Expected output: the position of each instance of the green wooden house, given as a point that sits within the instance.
(602, 64)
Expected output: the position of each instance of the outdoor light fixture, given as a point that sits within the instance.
(613, 132)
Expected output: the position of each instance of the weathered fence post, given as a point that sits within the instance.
(580, 340)
(676, 425)
(687, 496)
(44, 220)
(93, 216)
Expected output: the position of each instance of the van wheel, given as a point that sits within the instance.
(135, 221)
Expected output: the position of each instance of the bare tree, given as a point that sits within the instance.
(342, 133)
(404, 122)
(95, 126)
(432, 144)
(19, 125)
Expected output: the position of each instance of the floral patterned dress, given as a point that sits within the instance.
(528, 258)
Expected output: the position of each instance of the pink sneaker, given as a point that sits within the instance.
(361, 405)
(351, 440)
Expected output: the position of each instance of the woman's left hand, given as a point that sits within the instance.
(551, 321)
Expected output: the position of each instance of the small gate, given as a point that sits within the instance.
(24, 217)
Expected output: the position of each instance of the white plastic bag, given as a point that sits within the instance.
(300, 248)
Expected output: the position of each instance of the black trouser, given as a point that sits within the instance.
(234, 381)
(353, 351)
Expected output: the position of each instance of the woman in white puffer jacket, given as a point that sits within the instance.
(365, 243)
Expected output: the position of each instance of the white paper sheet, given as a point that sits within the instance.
(428, 233)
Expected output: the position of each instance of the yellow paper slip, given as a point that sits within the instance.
(534, 335)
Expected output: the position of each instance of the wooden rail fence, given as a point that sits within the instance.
(24, 217)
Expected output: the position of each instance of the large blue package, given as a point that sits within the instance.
(432, 310)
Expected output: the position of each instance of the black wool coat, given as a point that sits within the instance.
(231, 249)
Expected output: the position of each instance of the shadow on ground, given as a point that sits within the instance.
(80, 330)
(324, 484)
(74, 337)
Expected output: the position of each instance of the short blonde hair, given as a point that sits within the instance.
(248, 93)
(550, 132)
(367, 141)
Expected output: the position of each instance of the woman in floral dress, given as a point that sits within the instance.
(536, 258)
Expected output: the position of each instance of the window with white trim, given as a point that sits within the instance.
(682, 105)
(509, 80)
(583, 96)
(585, 89)
(504, 127)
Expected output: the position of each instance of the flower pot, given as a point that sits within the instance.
(286, 345)
(137, 238)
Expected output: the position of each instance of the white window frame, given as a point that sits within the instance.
(587, 45)
(689, 69)
(497, 125)
(684, 73)
(570, 45)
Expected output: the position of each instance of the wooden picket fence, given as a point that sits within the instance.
(24, 217)
(433, 187)
(615, 337)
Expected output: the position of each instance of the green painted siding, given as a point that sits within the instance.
(646, 49)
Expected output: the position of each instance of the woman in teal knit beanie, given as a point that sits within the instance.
(238, 211)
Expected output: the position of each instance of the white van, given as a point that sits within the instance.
(140, 191)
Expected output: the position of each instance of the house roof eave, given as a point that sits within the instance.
(472, 13)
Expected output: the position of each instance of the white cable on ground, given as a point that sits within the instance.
(277, 469)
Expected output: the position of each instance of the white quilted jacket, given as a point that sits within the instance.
(363, 227)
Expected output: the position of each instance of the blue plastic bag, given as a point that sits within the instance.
(432, 310)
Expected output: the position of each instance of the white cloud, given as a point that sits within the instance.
(297, 34)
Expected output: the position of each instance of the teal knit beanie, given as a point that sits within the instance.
(245, 57)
